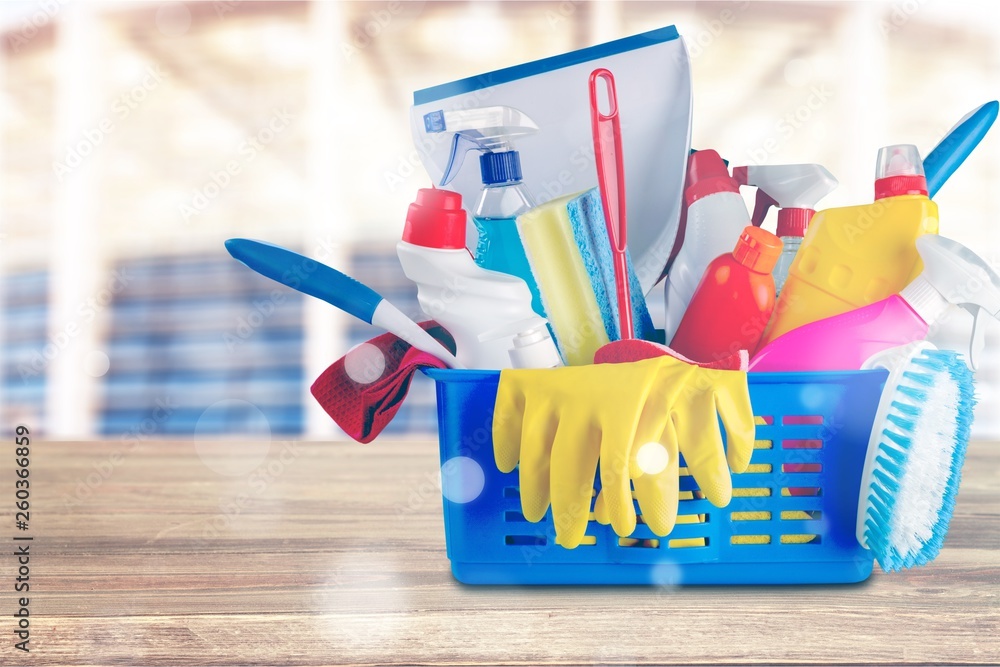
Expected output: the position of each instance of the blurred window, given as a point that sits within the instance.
(25, 355)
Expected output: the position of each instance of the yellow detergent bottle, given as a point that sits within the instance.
(857, 255)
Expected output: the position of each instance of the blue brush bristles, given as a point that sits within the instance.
(918, 466)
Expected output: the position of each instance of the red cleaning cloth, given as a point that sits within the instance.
(625, 351)
(363, 390)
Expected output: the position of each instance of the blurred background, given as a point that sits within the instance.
(136, 137)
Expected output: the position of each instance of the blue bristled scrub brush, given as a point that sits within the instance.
(915, 455)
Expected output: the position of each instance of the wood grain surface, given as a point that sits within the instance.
(161, 553)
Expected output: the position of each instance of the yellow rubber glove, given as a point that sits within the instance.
(559, 423)
(692, 429)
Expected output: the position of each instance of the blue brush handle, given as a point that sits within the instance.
(949, 155)
(307, 276)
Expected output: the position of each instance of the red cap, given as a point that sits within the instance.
(894, 186)
(436, 220)
(757, 249)
(899, 171)
(794, 221)
(707, 175)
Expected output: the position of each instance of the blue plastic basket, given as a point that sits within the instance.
(791, 520)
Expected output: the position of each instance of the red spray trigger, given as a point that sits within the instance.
(763, 201)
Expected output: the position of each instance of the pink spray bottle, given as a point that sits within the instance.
(952, 274)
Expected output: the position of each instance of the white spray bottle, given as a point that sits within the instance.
(716, 216)
(491, 131)
(795, 189)
(485, 311)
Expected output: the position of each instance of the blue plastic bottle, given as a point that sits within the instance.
(490, 130)
(504, 198)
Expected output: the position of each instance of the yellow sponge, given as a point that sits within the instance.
(567, 296)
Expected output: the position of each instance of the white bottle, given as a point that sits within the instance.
(716, 216)
(467, 300)
(796, 189)
(533, 345)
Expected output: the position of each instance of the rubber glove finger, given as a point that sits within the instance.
(575, 454)
(733, 404)
(601, 509)
(616, 447)
(700, 441)
(654, 389)
(537, 435)
(657, 487)
(508, 414)
(653, 419)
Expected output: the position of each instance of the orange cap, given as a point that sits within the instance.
(758, 249)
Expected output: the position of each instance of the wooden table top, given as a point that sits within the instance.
(333, 553)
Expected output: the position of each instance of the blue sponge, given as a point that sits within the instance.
(586, 216)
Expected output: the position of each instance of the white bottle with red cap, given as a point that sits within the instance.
(795, 189)
(485, 311)
(716, 216)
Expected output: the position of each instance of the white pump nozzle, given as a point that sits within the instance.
(789, 186)
(486, 129)
(953, 274)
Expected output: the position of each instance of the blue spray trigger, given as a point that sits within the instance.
(460, 145)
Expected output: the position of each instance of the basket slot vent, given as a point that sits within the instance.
(752, 492)
(633, 543)
(802, 491)
(511, 492)
(801, 467)
(747, 540)
(802, 444)
(801, 538)
(801, 420)
(682, 519)
(525, 540)
(687, 543)
(750, 516)
(801, 515)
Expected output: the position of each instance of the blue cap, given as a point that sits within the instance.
(500, 168)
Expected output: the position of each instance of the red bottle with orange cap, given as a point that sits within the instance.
(733, 302)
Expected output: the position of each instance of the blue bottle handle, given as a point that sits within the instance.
(307, 276)
(949, 155)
